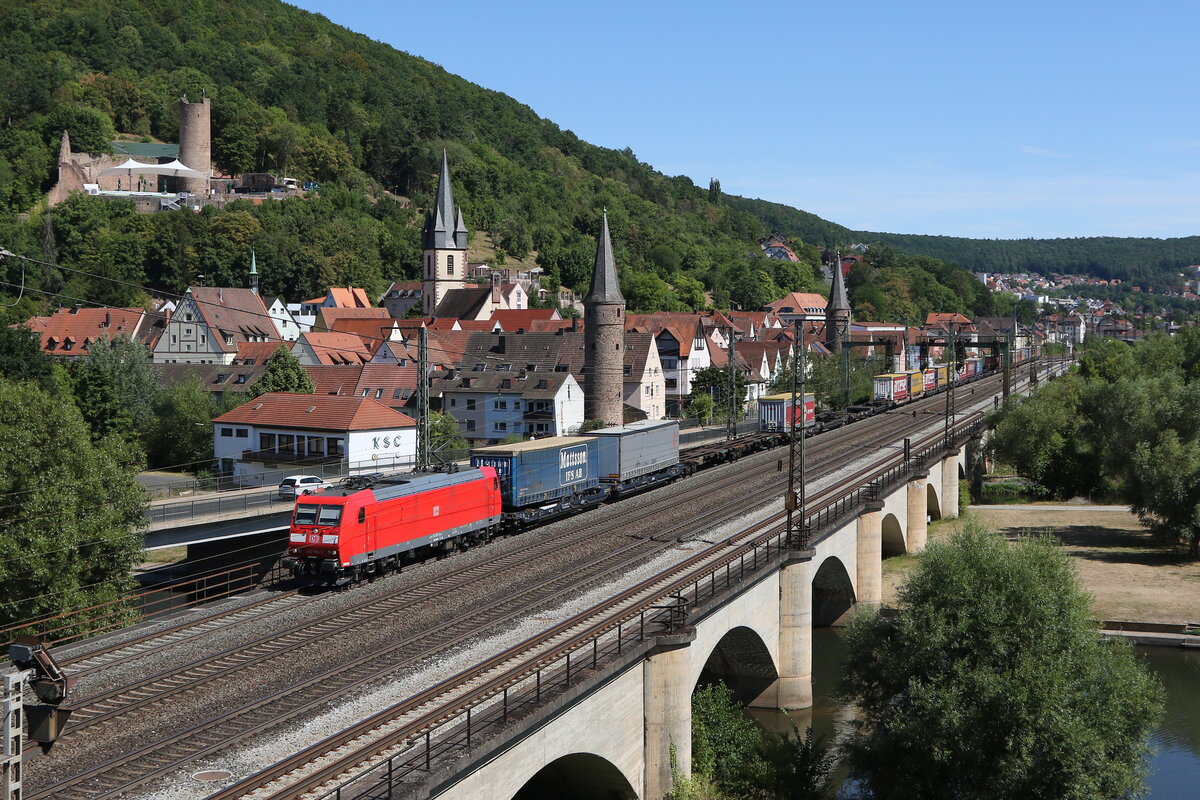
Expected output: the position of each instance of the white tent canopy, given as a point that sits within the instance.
(174, 168)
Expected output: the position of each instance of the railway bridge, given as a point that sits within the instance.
(622, 725)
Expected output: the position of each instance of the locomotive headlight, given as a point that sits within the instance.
(329, 538)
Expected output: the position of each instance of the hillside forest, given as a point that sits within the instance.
(295, 94)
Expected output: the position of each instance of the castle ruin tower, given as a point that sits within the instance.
(604, 337)
(195, 143)
(837, 312)
(444, 240)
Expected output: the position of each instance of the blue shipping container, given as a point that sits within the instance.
(542, 470)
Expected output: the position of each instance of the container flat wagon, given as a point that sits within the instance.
(639, 455)
(892, 387)
(778, 412)
(544, 478)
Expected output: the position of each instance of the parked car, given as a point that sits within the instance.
(294, 485)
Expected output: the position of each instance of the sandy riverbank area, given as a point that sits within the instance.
(1130, 576)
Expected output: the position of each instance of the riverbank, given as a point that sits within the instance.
(1130, 576)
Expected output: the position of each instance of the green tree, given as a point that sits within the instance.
(122, 367)
(991, 682)
(22, 359)
(1164, 489)
(68, 508)
(724, 739)
(443, 433)
(182, 431)
(701, 407)
(714, 382)
(284, 373)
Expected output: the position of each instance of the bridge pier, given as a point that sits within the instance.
(975, 465)
(949, 496)
(667, 704)
(870, 554)
(795, 636)
(918, 513)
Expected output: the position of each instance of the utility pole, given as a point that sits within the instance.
(794, 501)
(951, 378)
(731, 423)
(422, 399)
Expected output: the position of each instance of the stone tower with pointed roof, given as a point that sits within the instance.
(444, 240)
(837, 312)
(604, 335)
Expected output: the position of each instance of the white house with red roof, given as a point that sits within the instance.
(211, 323)
(288, 433)
(806, 306)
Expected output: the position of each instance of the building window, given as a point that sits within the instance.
(333, 446)
(241, 378)
(266, 442)
(449, 265)
(500, 426)
(501, 405)
(187, 331)
(366, 392)
(516, 405)
(627, 370)
(242, 433)
(470, 424)
(378, 393)
(541, 427)
(227, 431)
(174, 339)
(470, 404)
(396, 394)
(453, 401)
(543, 385)
(188, 316)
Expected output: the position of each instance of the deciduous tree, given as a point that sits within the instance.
(992, 682)
(284, 373)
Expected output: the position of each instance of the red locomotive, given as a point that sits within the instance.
(341, 535)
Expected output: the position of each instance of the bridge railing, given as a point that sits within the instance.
(492, 704)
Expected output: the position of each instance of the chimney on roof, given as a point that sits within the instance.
(107, 319)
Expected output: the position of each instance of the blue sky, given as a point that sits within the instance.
(1005, 120)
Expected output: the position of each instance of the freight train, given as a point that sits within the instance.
(373, 524)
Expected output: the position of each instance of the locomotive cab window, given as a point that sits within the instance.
(306, 514)
(330, 515)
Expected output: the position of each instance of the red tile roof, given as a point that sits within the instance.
(337, 348)
(236, 313)
(798, 301)
(82, 326)
(349, 298)
(256, 352)
(331, 319)
(317, 412)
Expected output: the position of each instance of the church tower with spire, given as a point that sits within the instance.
(837, 312)
(604, 337)
(444, 240)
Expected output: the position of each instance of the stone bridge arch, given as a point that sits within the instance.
(832, 592)
(580, 776)
(742, 661)
(933, 503)
(892, 534)
(738, 640)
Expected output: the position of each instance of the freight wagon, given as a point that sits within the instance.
(916, 382)
(891, 387)
(777, 412)
(544, 478)
(639, 455)
(340, 535)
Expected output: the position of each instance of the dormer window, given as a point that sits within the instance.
(449, 265)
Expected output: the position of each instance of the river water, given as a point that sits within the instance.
(1174, 766)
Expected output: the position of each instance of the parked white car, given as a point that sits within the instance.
(295, 485)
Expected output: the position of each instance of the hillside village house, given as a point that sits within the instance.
(211, 323)
(683, 351)
(285, 323)
(301, 432)
(68, 332)
(490, 405)
(805, 306)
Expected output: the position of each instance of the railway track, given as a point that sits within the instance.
(327, 763)
(119, 775)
